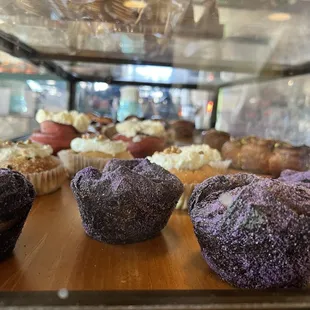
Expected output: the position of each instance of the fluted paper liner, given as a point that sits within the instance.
(49, 181)
(75, 162)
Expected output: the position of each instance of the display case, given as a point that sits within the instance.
(236, 66)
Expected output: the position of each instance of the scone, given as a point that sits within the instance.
(35, 162)
(94, 151)
(16, 197)
(192, 165)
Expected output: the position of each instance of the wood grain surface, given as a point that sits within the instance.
(53, 252)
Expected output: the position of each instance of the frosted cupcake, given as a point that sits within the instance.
(35, 162)
(94, 151)
(192, 165)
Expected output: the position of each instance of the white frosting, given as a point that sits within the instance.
(96, 145)
(134, 127)
(31, 150)
(190, 158)
(79, 121)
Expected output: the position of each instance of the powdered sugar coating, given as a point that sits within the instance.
(262, 239)
(16, 197)
(130, 201)
(296, 177)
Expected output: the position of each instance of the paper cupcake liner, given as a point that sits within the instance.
(75, 162)
(183, 201)
(47, 182)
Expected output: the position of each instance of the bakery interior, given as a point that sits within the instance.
(155, 154)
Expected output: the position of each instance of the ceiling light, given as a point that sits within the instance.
(279, 17)
(134, 4)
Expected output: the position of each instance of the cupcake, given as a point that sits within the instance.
(35, 162)
(215, 139)
(295, 177)
(130, 201)
(192, 165)
(144, 138)
(253, 232)
(60, 128)
(16, 197)
(93, 151)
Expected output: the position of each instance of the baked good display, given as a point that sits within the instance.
(92, 150)
(35, 162)
(130, 201)
(264, 156)
(253, 232)
(192, 165)
(16, 197)
(296, 177)
(183, 129)
(144, 138)
(215, 139)
(58, 129)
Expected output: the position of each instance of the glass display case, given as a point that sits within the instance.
(196, 68)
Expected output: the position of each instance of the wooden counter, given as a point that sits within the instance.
(53, 252)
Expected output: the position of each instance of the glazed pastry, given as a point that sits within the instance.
(35, 162)
(253, 232)
(192, 165)
(295, 177)
(286, 156)
(215, 139)
(144, 138)
(59, 129)
(93, 151)
(16, 197)
(130, 201)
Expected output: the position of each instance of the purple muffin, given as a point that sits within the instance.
(253, 232)
(130, 201)
(296, 177)
(16, 197)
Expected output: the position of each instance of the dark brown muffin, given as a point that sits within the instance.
(215, 139)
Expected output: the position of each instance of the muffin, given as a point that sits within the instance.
(35, 162)
(144, 138)
(130, 201)
(295, 177)
(93, 151)
(60, 128)
(183, 129)
(192, 165)
(215, 139)
(16, 197)
(253, 232)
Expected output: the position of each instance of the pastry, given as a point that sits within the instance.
(183, 129)
(130, 201)
(60, 128)
(144, 138)
(192, 165)
(16, 197)
(215, 139)
(295, 177)
(91, 150)
(35, 162)
(253, 232)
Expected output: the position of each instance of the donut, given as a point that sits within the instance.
(130, 201)
(253, 232)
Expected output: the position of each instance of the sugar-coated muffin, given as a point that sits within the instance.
(16, 197)
(295, 177)
(130, 201)
(253, 232)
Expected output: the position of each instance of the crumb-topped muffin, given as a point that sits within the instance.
(192, 165)
(36, 162)
(92, 150)
(144, 138)
(130, 201)
(16, 197)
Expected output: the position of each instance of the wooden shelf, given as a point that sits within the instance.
(53, 252)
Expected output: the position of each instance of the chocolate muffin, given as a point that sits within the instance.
(130, 201)
(253, 232)
(295, 177)
(16, 197)
(215, 139)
